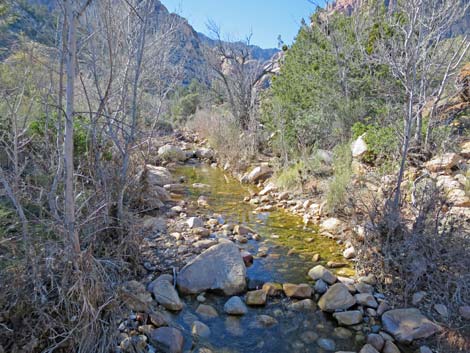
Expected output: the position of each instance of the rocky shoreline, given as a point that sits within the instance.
(192, 261)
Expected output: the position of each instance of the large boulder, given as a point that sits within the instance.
(219, 268)
(171, 153)
(337, 297)
(442, 162)
(407, 325)
(257, 174)
(167, 340)
(158, 176)
(359, 147)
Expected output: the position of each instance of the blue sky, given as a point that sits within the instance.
(266, 19)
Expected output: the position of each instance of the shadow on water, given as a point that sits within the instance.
(280, 232)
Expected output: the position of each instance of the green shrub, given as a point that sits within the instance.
(40, 127)
(382, 142)
(337, 189)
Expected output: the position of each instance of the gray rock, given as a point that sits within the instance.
(167, 296)
(204, 153)
(262, 321)
(359, 147)
(336, 298)
(299, 291)
(273, 289)
(368, 348)
(256, 298)
(320, 272)
(171, 153)
(376, 341)
(464, 311)
(200, 329)
(348, 318)
(390, 347)
(167, 340)
(366, 299)
(349, 253)
(206, 311)
(442, 310)
(135, 295)
(309, 337)
(364, 288)
(219, 268)
(320, 286)
(235, 306)
(257, 174)
(195, 222)
(303, 305)
(327, 344)
(343, 333)
(158, 176)
(424, 349)
(418, 297)
(407, 325)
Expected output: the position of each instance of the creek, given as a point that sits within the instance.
(289, 245)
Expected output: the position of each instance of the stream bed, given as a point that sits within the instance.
(290, 247)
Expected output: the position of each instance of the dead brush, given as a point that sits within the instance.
(67, 308)
(419, 249)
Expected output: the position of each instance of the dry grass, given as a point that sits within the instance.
(232, 143)
(419, 250)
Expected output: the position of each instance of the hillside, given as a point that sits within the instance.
(34, 20)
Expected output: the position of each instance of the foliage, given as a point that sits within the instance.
(186, 101)
(324, 86)
(337, 190)
(382, 142)
(43, 128)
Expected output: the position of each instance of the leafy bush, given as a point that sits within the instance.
(382, 142)
(41, 127)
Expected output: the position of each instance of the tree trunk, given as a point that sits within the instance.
(69, 221)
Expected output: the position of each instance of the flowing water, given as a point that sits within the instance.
(281, 232)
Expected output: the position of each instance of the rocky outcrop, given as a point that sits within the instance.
(219, 268)
(443, 162)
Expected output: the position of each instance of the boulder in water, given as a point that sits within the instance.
(219, 268)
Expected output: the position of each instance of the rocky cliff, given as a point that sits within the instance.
(35, 19)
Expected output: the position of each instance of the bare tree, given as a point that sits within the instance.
(238, 73)
(415, 45)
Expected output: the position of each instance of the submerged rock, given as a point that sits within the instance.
(219, 268)
(235, 306)
(348, 318)
(299, 291)
(167, 340)
(200, 329)
(327, 344)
